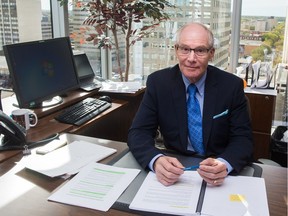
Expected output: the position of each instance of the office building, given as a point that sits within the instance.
(18, 19)
(260, 25)
(271, 23)
(46, 25)
(151, 53)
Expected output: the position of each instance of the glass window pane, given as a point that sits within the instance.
(79, 33)
(146, 55)
(263, 42)
(161, 42)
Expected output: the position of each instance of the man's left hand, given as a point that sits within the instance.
(213, 171)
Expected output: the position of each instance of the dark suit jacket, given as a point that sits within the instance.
(164, 104)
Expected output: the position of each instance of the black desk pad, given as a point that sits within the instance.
(128, 161)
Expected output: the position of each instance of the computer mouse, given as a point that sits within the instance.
(105, 98)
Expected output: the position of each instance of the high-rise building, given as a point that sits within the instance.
(20, 21)
(78, 33)
(46, 25)
(260, 25)
(158, 47)
(157, 50)
(8, 22)
(271, 23)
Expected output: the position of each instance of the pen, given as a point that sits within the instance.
(191, 168)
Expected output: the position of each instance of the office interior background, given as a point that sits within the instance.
(246, 31)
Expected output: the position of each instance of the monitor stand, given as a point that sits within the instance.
(47, 103)
(52, 102)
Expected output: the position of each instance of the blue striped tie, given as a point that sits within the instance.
(194, 121)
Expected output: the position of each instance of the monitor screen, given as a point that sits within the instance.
(41, 70)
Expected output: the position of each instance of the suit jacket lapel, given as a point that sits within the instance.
(180, 105)
(210, 100)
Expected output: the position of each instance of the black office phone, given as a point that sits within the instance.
(12, 135)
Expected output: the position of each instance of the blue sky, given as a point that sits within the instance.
(264, 7)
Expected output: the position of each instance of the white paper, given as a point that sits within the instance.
(68, 159)
(96, 186)
(178, 199)
(238, 196)
(120, 87)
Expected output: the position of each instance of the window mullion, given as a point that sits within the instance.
(235, 35)
(60, 24)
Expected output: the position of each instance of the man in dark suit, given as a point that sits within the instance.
(226, 129)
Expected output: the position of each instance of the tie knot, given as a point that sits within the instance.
(192, 89)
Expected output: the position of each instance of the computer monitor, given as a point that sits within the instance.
(83, 67)
(41, 71)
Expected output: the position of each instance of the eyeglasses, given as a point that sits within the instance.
(200, 51)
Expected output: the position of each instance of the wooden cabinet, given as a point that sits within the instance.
(115, 126)
(262, 106)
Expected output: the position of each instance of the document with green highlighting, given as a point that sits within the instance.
(238, 196)
(96, 186)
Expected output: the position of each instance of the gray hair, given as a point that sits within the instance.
(209, 32)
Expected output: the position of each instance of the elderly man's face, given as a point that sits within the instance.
(193, 63)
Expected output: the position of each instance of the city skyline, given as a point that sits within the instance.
(276, 8)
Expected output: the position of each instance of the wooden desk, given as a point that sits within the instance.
(118, 130)
(47, 125)
(108, 125)
(25, 193)
(276, 187)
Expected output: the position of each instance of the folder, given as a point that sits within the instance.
(190, 195)
(128, 161)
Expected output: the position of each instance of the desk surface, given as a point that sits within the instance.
(47, 125)
(26, 192)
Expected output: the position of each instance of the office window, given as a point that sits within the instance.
(32, 22)
(263, 40)
(79, 33)
(200, 10)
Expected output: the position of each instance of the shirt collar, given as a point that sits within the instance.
(200, 84)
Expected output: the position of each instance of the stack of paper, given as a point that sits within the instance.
(120, 87)
(96, 186)
(238, 196)
(68, 159)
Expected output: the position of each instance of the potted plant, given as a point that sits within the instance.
(120, 16)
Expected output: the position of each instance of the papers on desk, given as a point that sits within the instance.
(68, 159)
(238, 196)
(96, 186)
(120, 87)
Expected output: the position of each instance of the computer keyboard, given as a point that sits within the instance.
(83, 111)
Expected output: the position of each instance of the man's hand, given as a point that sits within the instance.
(213, 171)
(168, 170)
